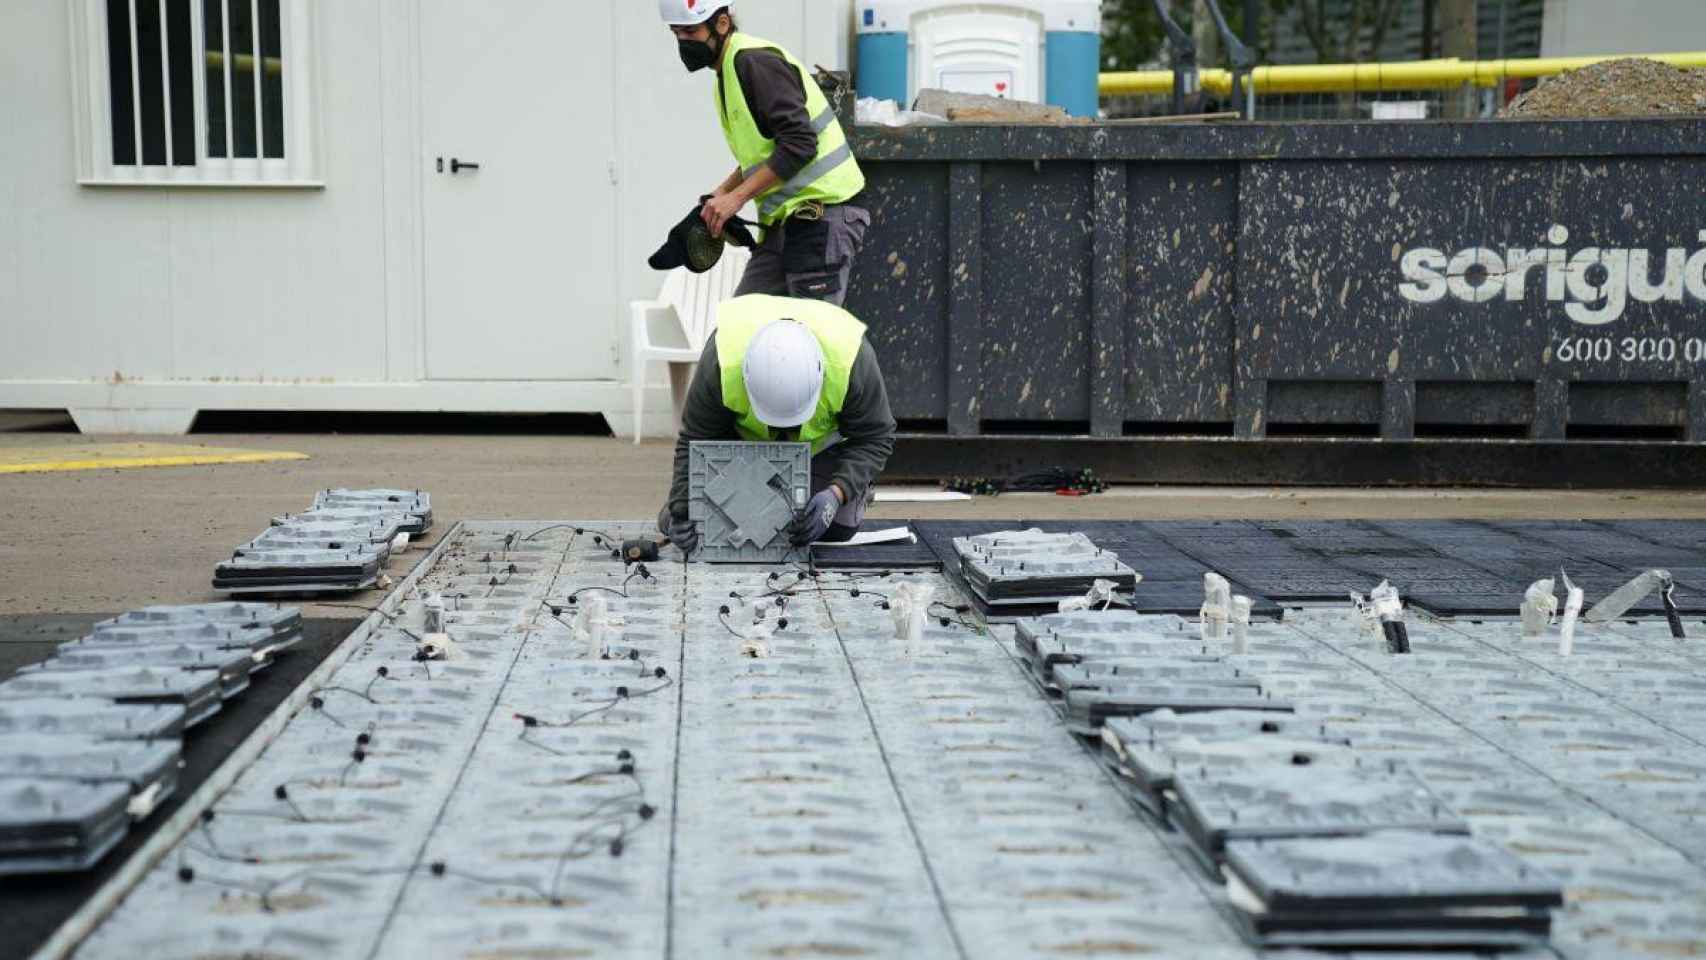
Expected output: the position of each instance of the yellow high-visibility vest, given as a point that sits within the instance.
(837, 332)
(833, 176)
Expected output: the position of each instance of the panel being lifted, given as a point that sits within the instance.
(1390, 889)
(742, 496)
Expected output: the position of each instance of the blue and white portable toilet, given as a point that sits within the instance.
(1041, 51)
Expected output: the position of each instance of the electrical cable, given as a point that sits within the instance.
(723, 618)
(622, 693)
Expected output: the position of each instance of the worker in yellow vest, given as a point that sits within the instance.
(781, 369)
(792, 157)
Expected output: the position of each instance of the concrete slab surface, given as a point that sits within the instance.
(618, 777)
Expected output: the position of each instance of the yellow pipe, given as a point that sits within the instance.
(1352, 77)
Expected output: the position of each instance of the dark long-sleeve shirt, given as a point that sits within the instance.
(866, 425)
(777, 99)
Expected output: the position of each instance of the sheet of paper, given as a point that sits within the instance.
(920, 496)
(895, 535)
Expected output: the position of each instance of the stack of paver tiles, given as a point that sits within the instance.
(1029, 567)
(340, 544)
(90, 739)
(1280, 777)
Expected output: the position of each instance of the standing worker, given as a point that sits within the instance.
(792, 156)
(788, 370)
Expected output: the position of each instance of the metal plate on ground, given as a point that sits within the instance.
(149, 768)
(1395, 888)
(742, 496)
(270, 617)
(55, 716)
(196, 692)
(1301, 802)
(52, 826)
(232, 666)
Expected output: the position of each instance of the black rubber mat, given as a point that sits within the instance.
(878, 556)
(1277, 565)
(1448, 567)
(36, 906)
(1514, 554)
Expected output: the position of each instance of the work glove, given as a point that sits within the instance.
(684, 533)
(813, 522)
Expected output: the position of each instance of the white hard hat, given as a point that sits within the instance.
(689, 13)
(783, 371)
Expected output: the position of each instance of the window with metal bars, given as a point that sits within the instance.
(197, 91)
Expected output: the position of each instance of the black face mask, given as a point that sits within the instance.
(696, 55)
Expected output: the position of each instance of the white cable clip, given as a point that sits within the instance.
(756, 642)
(1618, 602)
(1539, 607)
(1100, 596)
(435, 646)
(1382, 617)
(1572, 609)
(909, 608)
(1216, 608)
(434, 612)
(594, 623)
(1241, 607)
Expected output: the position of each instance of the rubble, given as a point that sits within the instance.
(1631, 87)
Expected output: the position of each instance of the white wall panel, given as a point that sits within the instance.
(75, 260)
(1580, 28)
(287, 284)
(186, 293)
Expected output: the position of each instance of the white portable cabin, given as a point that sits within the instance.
(409, 205)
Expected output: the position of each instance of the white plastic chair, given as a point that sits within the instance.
(673, 328)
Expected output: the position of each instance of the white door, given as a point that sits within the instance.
(520, 265)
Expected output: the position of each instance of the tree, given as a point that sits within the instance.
(1131, 34)
(1353, 36)
(1132, 38)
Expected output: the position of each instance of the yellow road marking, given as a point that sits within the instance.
(125, 456)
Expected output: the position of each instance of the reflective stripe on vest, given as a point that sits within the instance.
(820, 123)
(838, 333)
(832, 176)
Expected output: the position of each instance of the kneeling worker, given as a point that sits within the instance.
(780, 369)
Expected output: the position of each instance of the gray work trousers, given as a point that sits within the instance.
(809, 259)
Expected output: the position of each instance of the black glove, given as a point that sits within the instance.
(683, 533)
(813, 522)
(691, 245)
